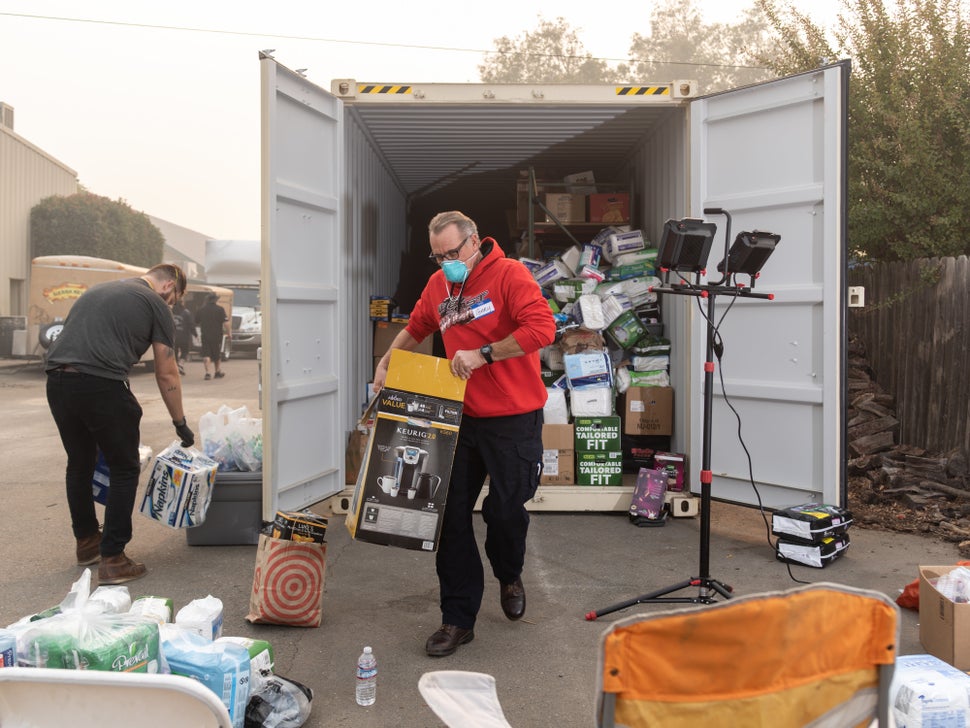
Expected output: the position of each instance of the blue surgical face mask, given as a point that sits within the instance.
(455, 270)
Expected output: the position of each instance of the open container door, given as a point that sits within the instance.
(774, 156)
(302, 152)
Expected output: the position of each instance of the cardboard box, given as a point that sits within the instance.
(400, 493)
(567, 207)
(385, 333)
(609, 207)
(597, 434)
(944, 625)
(599, 468)
(648, 411)
(558, 455)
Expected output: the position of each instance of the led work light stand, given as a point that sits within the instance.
(684, 248)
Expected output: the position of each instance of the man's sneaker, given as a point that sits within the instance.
(89, 549)
(207, 376)
(118, 569)
(220, 375)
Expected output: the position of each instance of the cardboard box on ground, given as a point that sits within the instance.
(944, 625)
(402, 486)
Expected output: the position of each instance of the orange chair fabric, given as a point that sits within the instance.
(776, 659)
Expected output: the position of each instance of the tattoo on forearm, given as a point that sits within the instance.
(173, 388)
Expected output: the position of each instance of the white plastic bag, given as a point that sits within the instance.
(232, 438)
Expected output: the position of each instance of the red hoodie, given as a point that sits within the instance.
(500, 297)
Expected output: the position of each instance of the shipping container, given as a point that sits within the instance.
(352, 174)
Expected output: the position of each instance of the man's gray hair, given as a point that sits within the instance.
(466, 226)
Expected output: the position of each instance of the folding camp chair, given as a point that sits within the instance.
(46, 698)
(819, 656)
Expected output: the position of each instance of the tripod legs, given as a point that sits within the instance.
(705, 586)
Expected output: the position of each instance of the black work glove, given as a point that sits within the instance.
(183, 431)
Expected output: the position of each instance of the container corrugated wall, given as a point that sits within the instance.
(660, 168)
(375, 235)
(27, 176)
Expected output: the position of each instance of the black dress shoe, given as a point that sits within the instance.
(513, 599)
(445, 641)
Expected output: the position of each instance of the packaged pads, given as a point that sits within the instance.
(221, 666)
(810, 523)
(818, 555)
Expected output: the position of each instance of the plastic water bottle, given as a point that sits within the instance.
(366, 677)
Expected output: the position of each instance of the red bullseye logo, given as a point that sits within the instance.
(291, 582)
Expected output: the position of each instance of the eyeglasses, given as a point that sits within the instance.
(451, 254)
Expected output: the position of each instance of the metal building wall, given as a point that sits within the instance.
(27, 175)
(375, 235)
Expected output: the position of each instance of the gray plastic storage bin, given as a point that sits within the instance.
(235, 513)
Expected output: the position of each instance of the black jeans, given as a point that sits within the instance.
(92, 413)
(509, 451)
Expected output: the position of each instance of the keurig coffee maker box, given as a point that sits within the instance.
(399, 497)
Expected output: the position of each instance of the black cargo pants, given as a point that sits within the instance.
(508, 450)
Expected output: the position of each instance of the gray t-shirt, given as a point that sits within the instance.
(110, 327)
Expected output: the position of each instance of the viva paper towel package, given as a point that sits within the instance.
(222, 666)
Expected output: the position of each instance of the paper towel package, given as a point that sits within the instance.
(180, 487)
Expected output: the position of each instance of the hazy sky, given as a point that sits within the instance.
(168, 118)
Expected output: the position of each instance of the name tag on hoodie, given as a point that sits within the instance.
(483, 309)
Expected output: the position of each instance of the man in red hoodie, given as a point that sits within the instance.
(493, 320)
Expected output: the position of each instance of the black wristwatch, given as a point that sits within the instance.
(486, 352)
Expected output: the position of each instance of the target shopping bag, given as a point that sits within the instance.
(288, 583)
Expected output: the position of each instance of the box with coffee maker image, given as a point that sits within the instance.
(399, 497)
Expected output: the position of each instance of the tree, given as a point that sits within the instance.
(87, 224)
(552, 53)
(681, 44)
(909, 119)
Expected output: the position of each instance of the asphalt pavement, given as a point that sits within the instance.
(545, 664)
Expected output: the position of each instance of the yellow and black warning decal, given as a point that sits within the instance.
(376, 88)
(643, 90)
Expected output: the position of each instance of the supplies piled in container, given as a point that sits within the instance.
(813, 534)
(611, 342)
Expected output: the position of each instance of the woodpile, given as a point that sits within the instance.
(884, 472)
